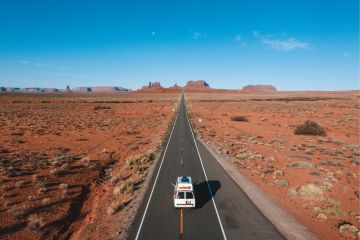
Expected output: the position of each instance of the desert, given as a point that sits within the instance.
(312, 174)
(71, 163)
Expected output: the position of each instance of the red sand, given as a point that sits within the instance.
(55, 151)
(266, 147)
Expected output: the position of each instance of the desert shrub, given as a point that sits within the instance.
(134, 147)
(31, 197)
(85, 160)
(17, 134)
(7, 204)
(139, 163)
(117, 206)
(62, 158)
(128, 187)
(35, 222)
(42, 184)
(6, 188)
(8, 195)
(63, 186)
(239, 118)
(35, 177)
(45, 201)
(20, 183)
(42, 190)
(66, 166)
(17, 212)
(104, 151)
(309, 128)
(55, 172)
(101, 107)
(115, 180)
(56, 163)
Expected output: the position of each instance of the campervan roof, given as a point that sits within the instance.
(184, 184)
(184, 180)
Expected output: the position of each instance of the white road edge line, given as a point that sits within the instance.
(202, 165)
(157, 175)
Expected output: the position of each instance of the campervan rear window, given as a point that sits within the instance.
(181, 195)
(189, 195)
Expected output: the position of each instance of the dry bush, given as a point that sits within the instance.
(17, 212)
(31, 197)
(102, 107)
(140, 163)
(20, 183)
(35, 177)
(35, 222)
(134, 147)
(85, 160)
(6, 188)
(115, 180)
(56, 172)
(7, 204)
(66, 166)
(42, 184)
(46, 201)
(42, 190)
(310, 128)
(128, 187)
(104, 151)
(117, 206)
(17, 134)
(63, 186)
(8, 195)
(239, 118)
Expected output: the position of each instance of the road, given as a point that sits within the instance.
(223, 210)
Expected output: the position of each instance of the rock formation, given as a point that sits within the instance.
(106, 89)
(259, 88)
(175, 86)
(153, 85)
(197, 84)
(50, 90)
(30, 90)
(82, 89)
(67, 89)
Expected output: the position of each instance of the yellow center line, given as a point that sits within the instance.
(181, 222)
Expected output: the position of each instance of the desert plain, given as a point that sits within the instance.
(71, 164)
(314, 177)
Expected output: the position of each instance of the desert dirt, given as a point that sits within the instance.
(316, 178)
(71, 165)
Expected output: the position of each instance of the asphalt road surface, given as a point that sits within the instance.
(223, 211)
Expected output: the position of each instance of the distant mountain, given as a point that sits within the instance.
(259, 88)
(197, 84)
(67, 89)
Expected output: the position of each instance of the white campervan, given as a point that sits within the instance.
(184, 196)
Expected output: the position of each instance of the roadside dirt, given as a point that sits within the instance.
(69, 160)
(316, 178)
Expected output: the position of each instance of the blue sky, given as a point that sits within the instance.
(294, 45)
